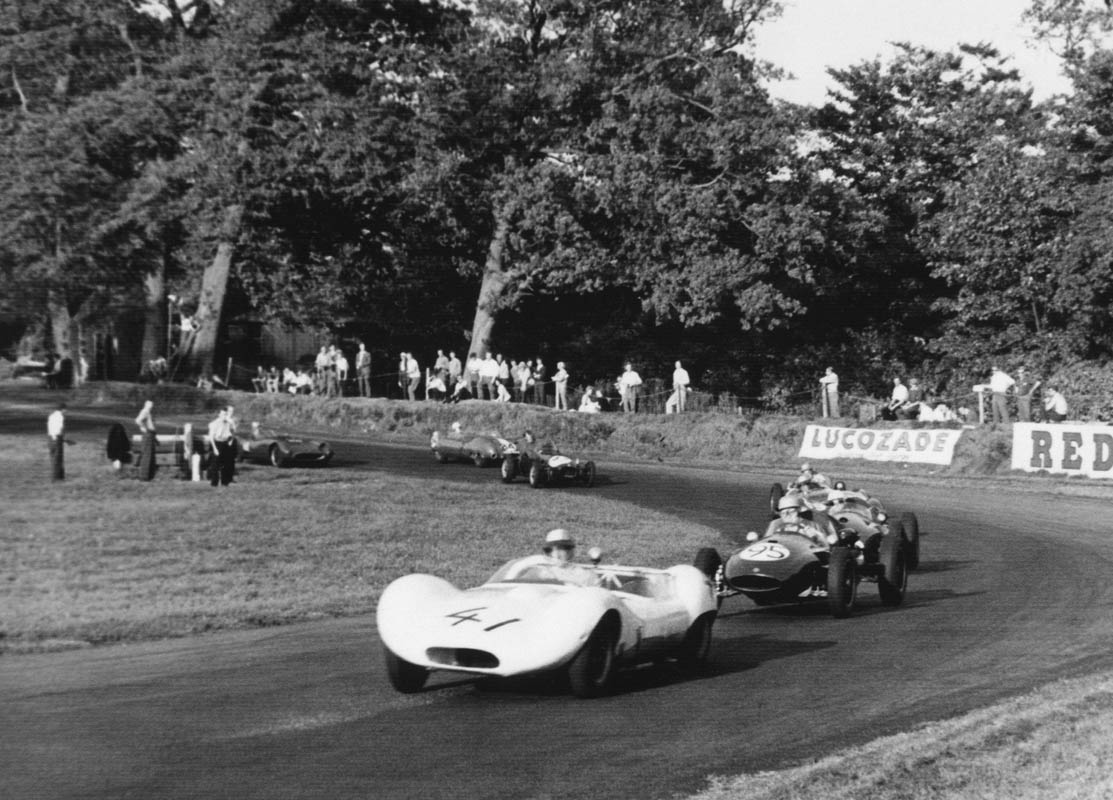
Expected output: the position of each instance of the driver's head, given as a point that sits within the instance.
(789, 508)
(559, 545)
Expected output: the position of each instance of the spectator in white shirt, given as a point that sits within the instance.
(999, 385)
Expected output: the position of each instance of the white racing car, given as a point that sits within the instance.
(536, 614)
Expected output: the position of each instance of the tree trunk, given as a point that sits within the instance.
(495, 279)
(61, 323)
(214, 284)
(155, 316)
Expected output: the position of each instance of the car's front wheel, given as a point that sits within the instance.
(842, 582)
(590, 671)
(537, 477)
(404, 676)
(509, 469)
(589, 473)
(911, 526)
(891, 585)
(775, 494)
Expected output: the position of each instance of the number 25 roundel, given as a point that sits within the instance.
(765, 551)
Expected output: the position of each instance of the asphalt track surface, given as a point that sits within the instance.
(1014, 590)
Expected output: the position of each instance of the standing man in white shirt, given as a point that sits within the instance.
(680, 384)
(999, 385)
(413, 374)
(222, 434)
(363, 370)
(628, 383)
(560, 381)
(56, 440)
(829, 386)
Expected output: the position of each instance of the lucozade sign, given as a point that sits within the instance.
(921, 445)
(1064, 448)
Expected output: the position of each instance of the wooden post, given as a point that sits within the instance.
(228, 375)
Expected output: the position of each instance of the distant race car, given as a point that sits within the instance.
(536, 614)
(482, 449)
(545, 464)
(266, 446)
(824, 555)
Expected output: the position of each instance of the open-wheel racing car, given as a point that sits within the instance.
(544, 464)
(482, 449)
(537, 615)
(824, 552)
(265, 446)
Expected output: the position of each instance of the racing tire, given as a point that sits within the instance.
(589, 474)
(911, 526)
(591, 669)
(696, 648)
(537, 476)
(509, 469)
(404, 676)
(775, 495)
(708, 561)
(842, 582)
(277, 456)
(892, 583)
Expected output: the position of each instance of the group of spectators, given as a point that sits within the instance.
(490, 376)
(328, 377)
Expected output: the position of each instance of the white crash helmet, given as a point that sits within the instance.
(558, 537)
(788, 501)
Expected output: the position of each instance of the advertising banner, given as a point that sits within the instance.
(923, 446)
(1070, 449)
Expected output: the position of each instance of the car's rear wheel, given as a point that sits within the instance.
(775, 495)
(589, 474)
(509, 469)
(696, 648)
(842, 582)
(590, 671)
(911, 526)
(708, 561)
(277, 456)
(891, 585)
(536, 475)
(404, 676)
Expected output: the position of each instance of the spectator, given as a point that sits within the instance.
(56, 441)
(540, 375)
(440, 366)
(628, 383)
(413, 374)
(222, 431)
(911, 407)
(147, 433)
(999, 385)
(680, 384)
(471, 374)
(560, 381)
(503, 394)
(504, 375)
(455, 371)
(521, 378)
(1054, 405)
(321, 363)
(829, 387)
(436, 386)
(588, 403)
(363, 370)
(488, 374)
(342, 368)
(403, 372)
(1025, 390)
(259, 382)
(273, 380)
(896, 400)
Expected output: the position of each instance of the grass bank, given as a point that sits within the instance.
(711, 438)
(100, 558)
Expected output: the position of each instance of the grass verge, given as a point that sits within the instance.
(100, 558)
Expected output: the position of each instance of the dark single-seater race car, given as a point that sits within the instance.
(823, 555)
(544, 464)
(536, 614)
(265, 446)
(482, 449)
